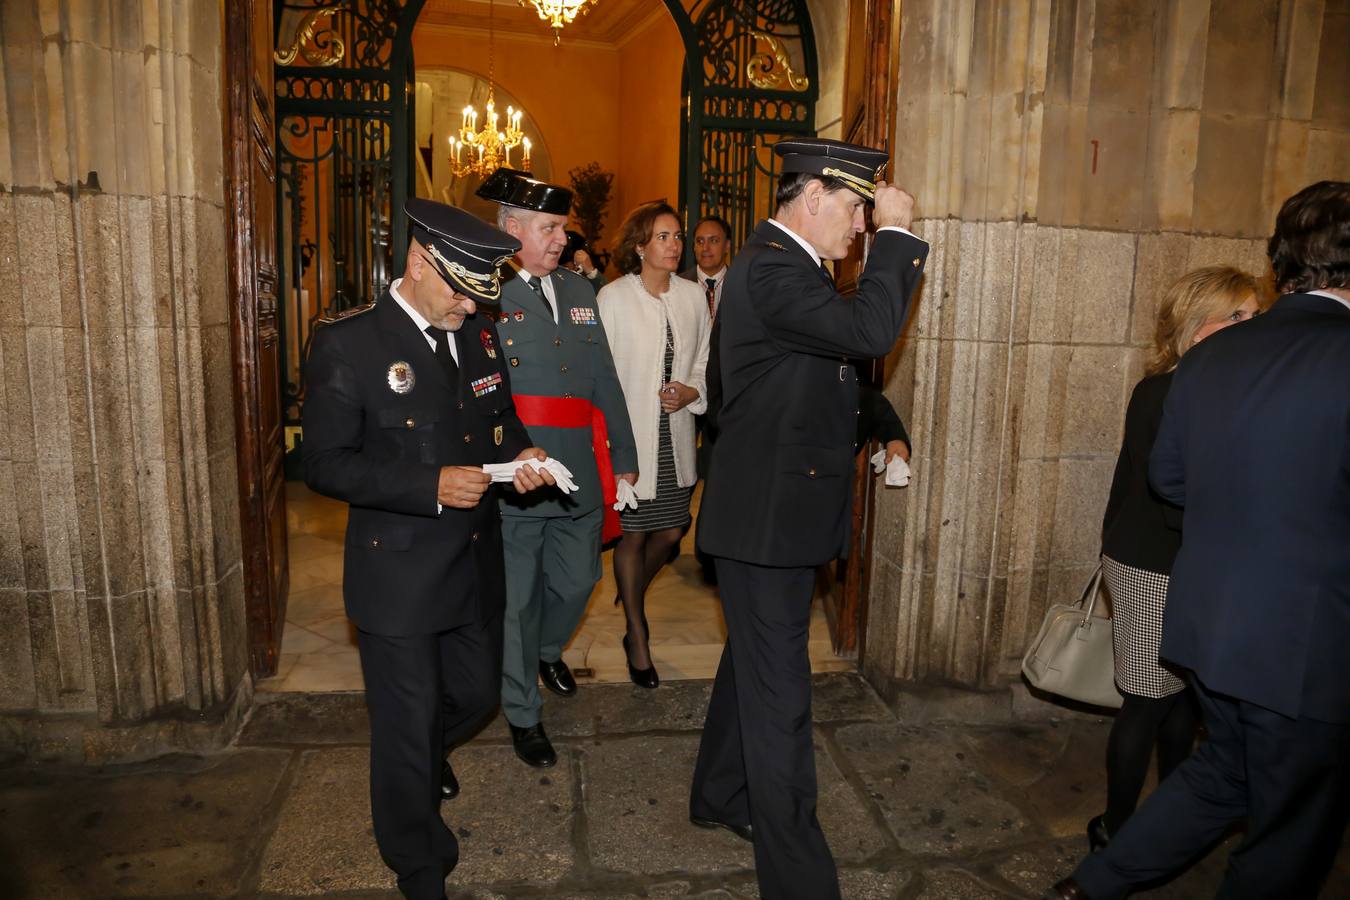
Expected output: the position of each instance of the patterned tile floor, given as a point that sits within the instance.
(318, 647)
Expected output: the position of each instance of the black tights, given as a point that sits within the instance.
(637, 558)
(1168, 722)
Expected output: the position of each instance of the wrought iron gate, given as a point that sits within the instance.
(344, 144)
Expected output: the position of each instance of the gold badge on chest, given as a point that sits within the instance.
(401, 377)
(497, 435)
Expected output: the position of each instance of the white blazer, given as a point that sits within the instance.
(635, 323)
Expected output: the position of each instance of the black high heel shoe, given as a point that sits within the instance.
(1096, 834)
(644, 678)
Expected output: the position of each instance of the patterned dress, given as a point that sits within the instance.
(670, 507)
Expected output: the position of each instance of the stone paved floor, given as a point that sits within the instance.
(914, 807)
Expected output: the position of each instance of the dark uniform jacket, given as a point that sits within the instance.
(409, 569)
(1255, 446)
(877, 420)
(1139, 528)
(778, 488)
(568, 359)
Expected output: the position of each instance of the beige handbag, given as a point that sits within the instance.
(1071, 655)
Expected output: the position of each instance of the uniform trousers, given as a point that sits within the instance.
(425, 694)
(756, 763)
(1286, 777)
(552, 565)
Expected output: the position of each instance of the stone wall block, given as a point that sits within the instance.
(138, 261)
(208, 159)
(1050, 313)
(1025, 287)
(224, 510)
(964, 318)
(71, 629)
(994, 292)
(970, 606)
(204, 257)
(232, 635)
(1102, 269)
(1161, 259)
(1221, 251)
(167, 632)
(1331, 105)
(1079, 502)
(60, 535)
(132, 124)
(1173, 153)
(1328, 156)
(26, 100)
(1230, 174)
(37, 259)
(1094, 406)
(128, 32)
(51, 416)
(86, 21)
(1181, 68)
(1034, 403)
(119, 516)
(18, 688)
(1024, 611)
(11, 290)
(882, 625)
(19, 439)
(217, 380)
(1304, 25)
(1052, 165)
(1123, 47)
(131, 623)
(12, 573)
(45, 652)
(1240, 63)
(1289, 167)
(93, 90)
(986, 485)
(56, 146)
(1116, 146)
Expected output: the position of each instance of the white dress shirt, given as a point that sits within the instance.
(421, 323)
(545, 282)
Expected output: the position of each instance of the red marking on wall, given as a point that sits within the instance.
(1095, 147)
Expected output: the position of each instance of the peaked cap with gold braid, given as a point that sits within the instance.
(465, 250)
(860, 168)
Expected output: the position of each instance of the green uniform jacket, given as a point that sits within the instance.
(569, 359)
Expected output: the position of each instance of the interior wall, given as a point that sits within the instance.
(1070, 160)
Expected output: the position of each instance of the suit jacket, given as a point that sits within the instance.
(778, 486)
(1139, 528)
(1255, 445)
(569, 358)
(378, 442)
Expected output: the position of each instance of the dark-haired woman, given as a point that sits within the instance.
(658, 330)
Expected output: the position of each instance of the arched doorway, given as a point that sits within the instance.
(346, 145)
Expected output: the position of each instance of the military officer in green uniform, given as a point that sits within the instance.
(568, 395)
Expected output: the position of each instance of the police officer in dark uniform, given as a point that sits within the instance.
(405, 400)
(777, 501)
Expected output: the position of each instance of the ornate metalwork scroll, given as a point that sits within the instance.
(774, 69)
(319, 46)
(343, 150)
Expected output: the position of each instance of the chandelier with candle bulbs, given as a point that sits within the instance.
(558, 12)
(481, 151)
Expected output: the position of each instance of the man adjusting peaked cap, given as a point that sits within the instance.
(511, 187)
(464, 249)
(858, 167)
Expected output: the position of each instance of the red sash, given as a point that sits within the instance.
(576, 412)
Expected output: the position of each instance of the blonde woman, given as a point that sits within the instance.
(1140, 537)
(658, 330)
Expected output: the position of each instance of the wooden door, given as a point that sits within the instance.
(251, 192)
(870, 83)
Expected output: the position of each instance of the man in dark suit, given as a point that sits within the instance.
(405, 400)
(1255, 445)
(776, 504)
(712, 243)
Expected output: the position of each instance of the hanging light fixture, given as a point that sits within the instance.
(559, 13)
(482, 151)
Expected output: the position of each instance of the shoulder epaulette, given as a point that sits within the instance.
(775, 245)
(347, 314)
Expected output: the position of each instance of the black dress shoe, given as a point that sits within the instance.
(1096, 832)
(644, 678)
(533, 746)
(744, 832)
(558, 678)
(449, 783)
(1068, 889)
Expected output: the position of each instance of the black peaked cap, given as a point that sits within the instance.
(857, 166)
(465, 250)
(512, 187)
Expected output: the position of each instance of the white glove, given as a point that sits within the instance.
(627, 496)
(505, 472)
(897, 470)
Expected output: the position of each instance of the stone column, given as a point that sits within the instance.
(1070, 159)
(121, 599)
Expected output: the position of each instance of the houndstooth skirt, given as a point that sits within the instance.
(1138, 598)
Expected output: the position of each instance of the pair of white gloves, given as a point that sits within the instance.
(897, 470)
(505, 472)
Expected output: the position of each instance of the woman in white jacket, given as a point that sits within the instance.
(658, 329)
